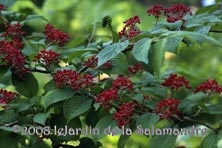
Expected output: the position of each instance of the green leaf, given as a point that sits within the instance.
(111, 51)
(210, 141)
(27, 85)
(163, 141)
(34, 17)
(203, 30)
(147, 120)
(192, 36)
(75, 107)
(119, 64)
(173, 26)
(158, 55)
(3, 70)
(141, 49)
(201, 19)
(122, 141)
(173, 44)
(102, 124)
(42, 117)
(86, 142)
(7, 3)
(214, 109)
(29, 49)
(158, 91)
(57, 95)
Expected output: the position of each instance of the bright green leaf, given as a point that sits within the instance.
(34, 17)
(27, 85)
(57, 95)
(163, 141)
(111, 51)
(76, 106)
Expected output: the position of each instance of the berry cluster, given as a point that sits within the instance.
(130, 30)
(135, 68)
(175, 82)
(11, 54)
(55, 36)
(7, 96)
(122, 83)
(2, 7)
(209, 86)
(174, 13)
(73, 79)
(107, 97)
(124, 114)
(13, 30)
(156, 11)
(167, 108)
(93, 61)
(47, 57)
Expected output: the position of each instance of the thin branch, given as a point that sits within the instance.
(40, 71)
(202, 123)
(216, 31)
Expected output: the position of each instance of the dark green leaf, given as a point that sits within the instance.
(141, 49)
(76, 106)
(214, 109)
(163, 141)
(57, 95)
(40, 118)
(147, 120)
(158, 91)
(104, 123)
(111, 51)
(27, 85)
(7, 3)
(3, 70)
(122, 141)
(86, 142)
(210, 141)
(119, 64)
(30, 49)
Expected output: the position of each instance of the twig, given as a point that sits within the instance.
(40, 71)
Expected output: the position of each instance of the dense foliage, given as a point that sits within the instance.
(105, 82)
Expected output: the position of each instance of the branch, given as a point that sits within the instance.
(202, 123)
(216, 31)
(40, 71)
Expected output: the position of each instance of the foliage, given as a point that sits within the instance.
(78, 104)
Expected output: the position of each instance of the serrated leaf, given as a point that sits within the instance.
(203, 30)
(40, 118)
(173, 44)
(163, 141)
(192, 36)
(210, 141)
(119, 64)
(27, 85)
(104, 123)
(57, 95)
(141, 49)
(76, 106)
(147, 120)
(111, 51)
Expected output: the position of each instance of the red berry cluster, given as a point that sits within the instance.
(93, 61)
(130, 30)
(47, 57)
(175, 82)
(107, 97)
(124, 114)
(167, 108)
(135, 68)
(174, 13)
(156, 11)
(11, 54)
(122, 82)
(73, 79)
(13, 30)
(209, 86)
(55, 36)
(2, 7)
(7, 96)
